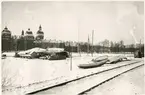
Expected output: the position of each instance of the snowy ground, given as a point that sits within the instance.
(75, 87)
(10, 54)
(22, 72)
(130, 83)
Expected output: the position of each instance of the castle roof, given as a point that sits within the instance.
(40, 30)
(6, 31)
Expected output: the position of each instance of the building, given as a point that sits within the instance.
(28, 39)
(40, 34)
(6, 34)
(29, 35)
(21, 42)
(6, 39)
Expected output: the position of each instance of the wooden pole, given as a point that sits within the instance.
(78, 37)
(71, 62)
(92, 42)
(70, 56)
(140, 44)
(88, 44)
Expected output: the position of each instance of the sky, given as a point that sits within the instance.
(75, 21)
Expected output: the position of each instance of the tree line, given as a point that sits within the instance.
(20, 44)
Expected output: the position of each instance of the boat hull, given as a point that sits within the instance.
(100, 58)
(93, 64)
(116, 59)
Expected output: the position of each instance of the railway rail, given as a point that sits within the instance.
(109, 79)
(81, 85)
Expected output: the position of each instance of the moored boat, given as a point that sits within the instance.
(100, 58)
(50, 54)
(3, 56)
(92, 64)
(32, 53)
(116, 59)
(59, 55)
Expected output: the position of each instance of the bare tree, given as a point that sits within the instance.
(9, 76)
(121, 45)
(105, 43)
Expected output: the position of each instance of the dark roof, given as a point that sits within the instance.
(40, 32)
(28, 31)
(6, 30)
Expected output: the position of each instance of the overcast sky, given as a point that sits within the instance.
(62, 20)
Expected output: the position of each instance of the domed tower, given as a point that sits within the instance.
(29, 38)
(29, 35)
(6, 39)
(40, 34)
(6, 34)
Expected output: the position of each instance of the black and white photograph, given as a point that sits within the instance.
(72, 48)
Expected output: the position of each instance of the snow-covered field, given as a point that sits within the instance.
(10, 54)
(22, 72)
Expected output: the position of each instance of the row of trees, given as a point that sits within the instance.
(121, 47)
(19, 44)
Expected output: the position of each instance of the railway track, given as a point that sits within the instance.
(109, 79)
(82, 85)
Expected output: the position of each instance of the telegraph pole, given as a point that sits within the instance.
(140, 45)
(70, 46)
(92, 42)
(78, 36)
(88, 44)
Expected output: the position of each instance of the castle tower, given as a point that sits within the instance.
(6, 34)
(40, 34)
(6, 39)
(29, 35)
(29, 38)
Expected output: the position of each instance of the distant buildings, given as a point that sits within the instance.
(27, 41)
(23, 42)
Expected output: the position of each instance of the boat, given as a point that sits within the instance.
(32, 53)
(138, 54)
(59, 55)
(100, 58)
(4, 56)
(50, 54)
(93, 64)
(116, 59)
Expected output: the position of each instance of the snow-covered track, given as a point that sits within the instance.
(96, 85)
(84, 83)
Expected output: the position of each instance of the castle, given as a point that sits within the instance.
(25, 41)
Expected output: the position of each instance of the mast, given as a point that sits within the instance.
(88, 44)
(70, 46)
(92, 42)
(140, 45)
(78, 37)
